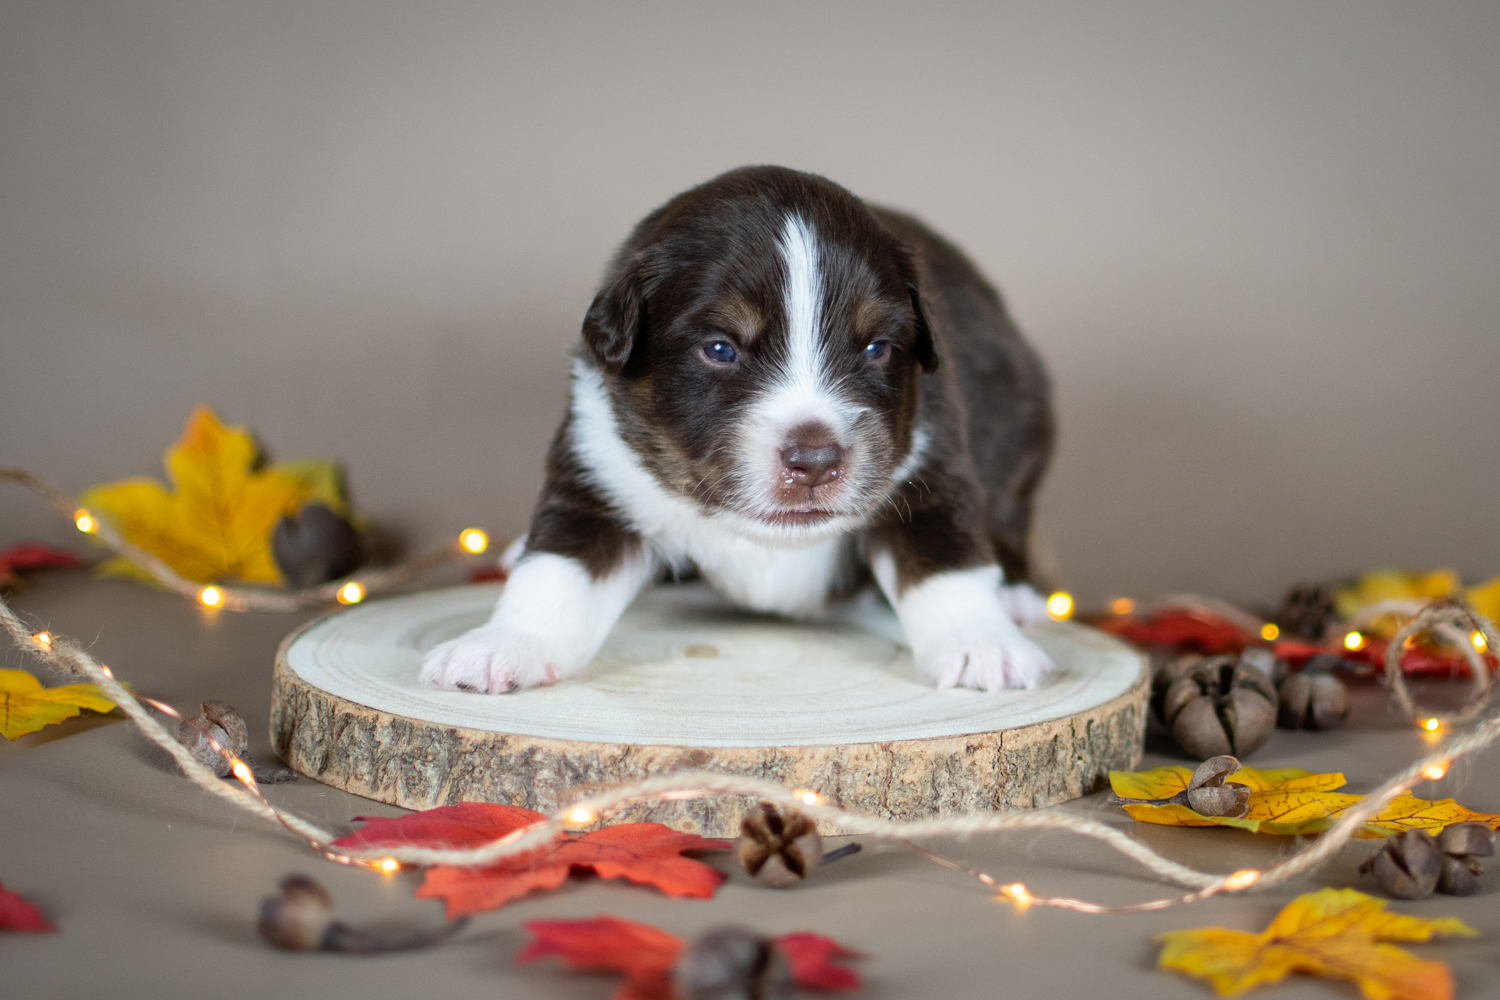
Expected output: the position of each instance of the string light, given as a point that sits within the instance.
(388, 865)
(107, 672)
(1018, 894)
(1269, 631)
(1431, 725)
(473, 540)
(1242, 879)
(581, 816)
(211, 597)
(1121, 606)
(351, 593)
(807, 796)
(85, 522)
(43, 639)
(1435, 771)
(1060, 605)
(243, 772)
(1479, 641)
(1354, 640)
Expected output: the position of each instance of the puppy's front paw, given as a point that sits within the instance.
(990, 661)
(491, 660)
(1023, 603)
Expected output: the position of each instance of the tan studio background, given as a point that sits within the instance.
(1257, 244)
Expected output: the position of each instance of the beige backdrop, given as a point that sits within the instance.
(1256, 243)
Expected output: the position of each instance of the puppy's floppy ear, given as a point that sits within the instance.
(617, 317)
(925, 347)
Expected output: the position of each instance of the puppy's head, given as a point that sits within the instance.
(761, 338)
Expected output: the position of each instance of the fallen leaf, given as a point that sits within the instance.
(1407, 812)
(646, 955)
(1334, 933)
(1394, 585)
(26, 706)
(1197, 629)
(16, 914)
(644, 853)
(1284, 801)
(32, 555)
(215, 522)
(810, 957)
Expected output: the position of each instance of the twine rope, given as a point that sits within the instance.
(1456, 622)
(67, 657)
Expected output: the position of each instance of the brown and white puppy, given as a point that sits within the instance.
(785, 389)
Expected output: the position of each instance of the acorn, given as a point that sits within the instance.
(1312, 701)
(1208, 794)
(1216, 705)
(314, 547)
(732, 963)
(1407, 865)
(780, 848)
(300, 918)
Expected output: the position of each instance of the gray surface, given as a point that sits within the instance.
(1255, 242)
(155, 886)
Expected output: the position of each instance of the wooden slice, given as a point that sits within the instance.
(686, 682)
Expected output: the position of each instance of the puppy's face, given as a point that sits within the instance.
(762, 339)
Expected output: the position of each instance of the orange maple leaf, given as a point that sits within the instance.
(215, 522)
(1335, 932)
(644, 853)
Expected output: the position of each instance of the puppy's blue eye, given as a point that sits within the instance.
(721, 351)
(876, 351)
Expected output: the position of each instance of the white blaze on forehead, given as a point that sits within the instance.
(804, 304)
(801, 392)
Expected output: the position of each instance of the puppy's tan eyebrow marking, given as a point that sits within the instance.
(741, 317)
(874, 314)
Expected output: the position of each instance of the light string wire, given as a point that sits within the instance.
(371, 581)
(67, 657)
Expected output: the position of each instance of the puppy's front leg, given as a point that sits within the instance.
(581, 569)
(936, 566)
(551, 620)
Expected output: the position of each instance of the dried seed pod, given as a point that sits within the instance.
(1407, 865)
(1209, 795)
(1306, 612)
(731, 963)
(779, 848)
(1467, 839)
(1215, 705)
(1459, 876)
(219, 734)
(223, 715)
(298, 917)
(1312, 701)
(209, 744)
(315, 546)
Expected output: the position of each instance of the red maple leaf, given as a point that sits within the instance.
(1198, 629)
(645, 853)
(18, 915)
(32, 555)
(646, 955)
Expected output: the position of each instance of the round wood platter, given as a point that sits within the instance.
(687, 682)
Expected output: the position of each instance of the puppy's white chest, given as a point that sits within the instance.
(789, 581)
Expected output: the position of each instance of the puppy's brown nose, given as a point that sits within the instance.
(813, 457)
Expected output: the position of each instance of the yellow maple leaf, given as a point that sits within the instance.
(1485, 598)
(1334, 932)
(26, 706)
(1407, 812)
(216, 522)
(1286, 801)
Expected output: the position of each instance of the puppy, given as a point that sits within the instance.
(785, 390)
